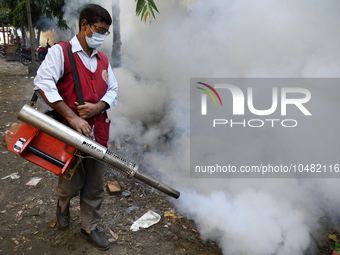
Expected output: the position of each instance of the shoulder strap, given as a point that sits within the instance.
(33, 99)
(75, 78)
(75, 75)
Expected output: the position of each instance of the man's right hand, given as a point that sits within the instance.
(81, 126)
(77, 123)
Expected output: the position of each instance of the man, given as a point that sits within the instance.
(54, 83)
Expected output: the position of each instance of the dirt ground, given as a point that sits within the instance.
(23, 233)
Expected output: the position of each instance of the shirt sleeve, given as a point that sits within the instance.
(110, 96)
(49, 72)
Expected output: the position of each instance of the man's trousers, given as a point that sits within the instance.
(87, 181)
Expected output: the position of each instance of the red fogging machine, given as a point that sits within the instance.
(56, 147)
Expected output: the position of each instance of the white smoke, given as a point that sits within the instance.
(192, 39)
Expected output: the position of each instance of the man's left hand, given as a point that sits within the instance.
(88, 110)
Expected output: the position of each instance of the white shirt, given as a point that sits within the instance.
(52, 69)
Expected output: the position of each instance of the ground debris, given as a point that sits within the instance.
(148, 219)
(172, 215)
(32, 212)
(132, 208)
(33, 181)
(113, 188)
(334, 238)
(52, 225)
(15, 241)
(114, 236)
(117, 144)
(12, 175)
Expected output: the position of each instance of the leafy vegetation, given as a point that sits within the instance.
(14, 12)
(145, 9)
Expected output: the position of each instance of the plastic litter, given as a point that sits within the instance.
(34, 181)
(148, 219)
(128, 210)
(336, 250)
(126, 194)
(157, 211)
(13, 176)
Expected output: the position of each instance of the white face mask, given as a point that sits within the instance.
(96, 40)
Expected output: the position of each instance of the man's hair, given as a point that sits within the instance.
(94, 13)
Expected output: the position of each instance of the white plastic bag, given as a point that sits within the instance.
(148, 219)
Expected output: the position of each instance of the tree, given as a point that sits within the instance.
(18, 15)
(116, 45)
(52, 10)
(15, 12)
(145, 9)
(6, 16)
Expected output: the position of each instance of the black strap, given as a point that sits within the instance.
(33, 99)
(75, 76)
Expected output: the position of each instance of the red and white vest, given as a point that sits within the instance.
(93, 85)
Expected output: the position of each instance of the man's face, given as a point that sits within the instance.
(98, 27)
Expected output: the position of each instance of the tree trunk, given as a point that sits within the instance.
(33, 37)
(38, 38)
(115, 54)
(23, 36)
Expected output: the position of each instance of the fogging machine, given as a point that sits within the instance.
(54, 146)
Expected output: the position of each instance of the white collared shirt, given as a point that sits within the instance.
(52, 69)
